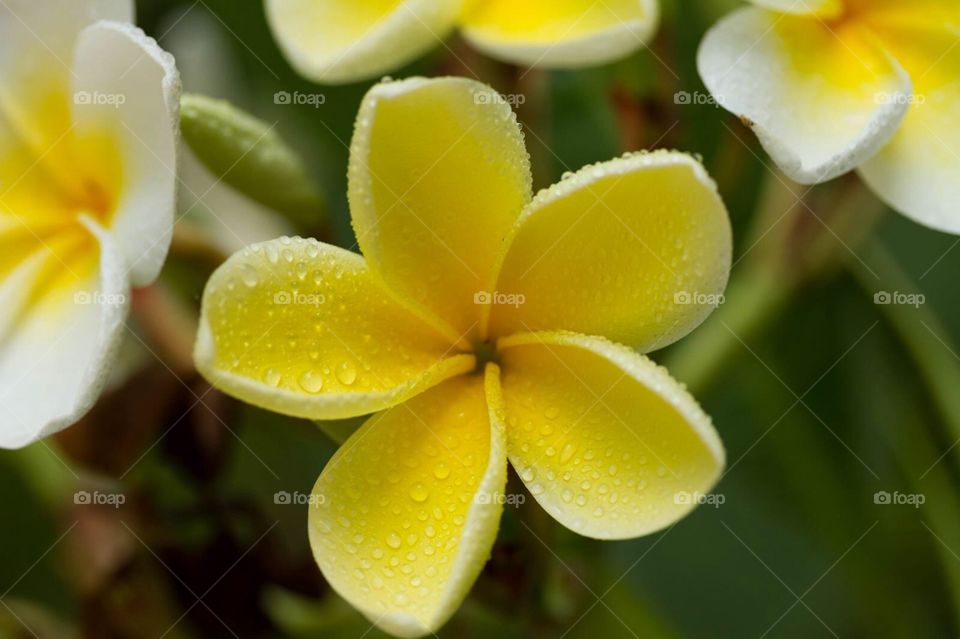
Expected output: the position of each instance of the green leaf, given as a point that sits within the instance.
(249, 155)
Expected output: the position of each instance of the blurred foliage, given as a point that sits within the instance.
(826, 401)
(250, 157)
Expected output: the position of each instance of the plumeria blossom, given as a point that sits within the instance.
(88, 131)
(833, 85)
(481, 324)
(338, 41)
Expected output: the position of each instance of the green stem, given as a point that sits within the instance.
(794, 245)
(923, 335)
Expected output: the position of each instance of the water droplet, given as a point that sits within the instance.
(567, 453)
(442, 471)
(311, 381)
(272, 377)
(346, 373)
(394, 541)
(249, 275)
(419, 493)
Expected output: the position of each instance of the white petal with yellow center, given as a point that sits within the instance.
(60, 338)
(127, 88)
(822, 8)
(822, 99)
(918, 172)
(81, 211)
(37, 43)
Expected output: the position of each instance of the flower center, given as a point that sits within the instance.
(55, 171)
(485, 352)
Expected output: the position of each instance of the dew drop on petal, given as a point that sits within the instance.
(311, 381)
(347, 373)
(272, 377)
(394, 541)
(419, 493)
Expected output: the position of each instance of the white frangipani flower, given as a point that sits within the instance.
(89, 109)
(834, 85)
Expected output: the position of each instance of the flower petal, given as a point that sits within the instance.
(405, 514)
(128, 88)
(37, 40)
(902, 19)
(305, 329)
(637, 249)
(822, 99)
(338, 41)
(561, 33)
(918, 172)
(438, 175)
(62, 318)
(825, 8)
(606, 441)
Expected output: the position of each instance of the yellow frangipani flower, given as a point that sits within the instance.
(833, 85)
(338, 41)
(88, 132)
(485, 324)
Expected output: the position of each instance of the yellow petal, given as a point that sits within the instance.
(305, 329)
(824, 8)
(406, 512)
(560, 33)
(918, 172)
(822, 98)
(335, 41)
(605, 440)
(890, 16)
(636, 249)
(438, 175)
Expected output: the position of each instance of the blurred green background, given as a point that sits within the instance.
(824, 398)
